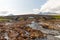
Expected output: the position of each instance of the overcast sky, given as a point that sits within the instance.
(19, 6)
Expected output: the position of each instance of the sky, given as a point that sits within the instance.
(20, 6)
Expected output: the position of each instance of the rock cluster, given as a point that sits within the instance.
(50, 26)
(19, 31)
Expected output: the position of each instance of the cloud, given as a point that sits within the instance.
(51, 6)
(6, 7)
(19, 13)
(36, 11)
(5, 12)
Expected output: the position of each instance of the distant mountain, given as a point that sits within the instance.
(10, 15)
(48, 13)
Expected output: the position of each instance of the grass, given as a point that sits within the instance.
(3, 19)
(56, 16)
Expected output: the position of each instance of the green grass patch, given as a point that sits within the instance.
(56, 16)
(2, 20)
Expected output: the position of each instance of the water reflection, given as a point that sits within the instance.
(34, 25)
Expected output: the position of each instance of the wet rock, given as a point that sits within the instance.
(12, 33)
(36, 34)
(20, 38)
(50, 37)
(28, 29)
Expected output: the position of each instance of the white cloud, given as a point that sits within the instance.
(36, 11)
(51, 6)
(7, 11)
(19, 13)
(6, 7)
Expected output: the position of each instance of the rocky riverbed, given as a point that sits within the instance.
(51, 34)
(24, 30)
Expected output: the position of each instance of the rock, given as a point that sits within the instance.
(28, 29)
(36, 34)
(12, 33)
(20, 38)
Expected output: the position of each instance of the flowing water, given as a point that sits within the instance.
(51, 34)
